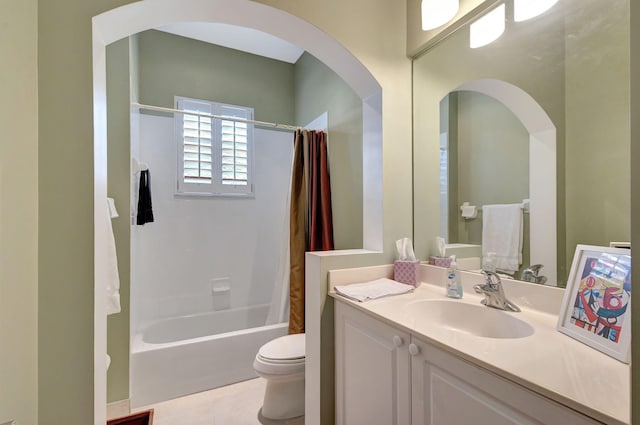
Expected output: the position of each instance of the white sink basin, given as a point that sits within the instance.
(473, 319)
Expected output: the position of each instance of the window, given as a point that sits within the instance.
(214, 155)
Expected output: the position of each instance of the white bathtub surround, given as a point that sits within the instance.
(195, 239)
(205, 275)
(184, 355)
(546, 362)
(221, 290)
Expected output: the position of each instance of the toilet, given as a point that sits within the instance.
(281, 363)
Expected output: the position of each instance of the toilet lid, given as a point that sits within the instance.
(288, 347)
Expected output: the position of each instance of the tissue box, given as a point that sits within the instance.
(406, 272)
(440, 261)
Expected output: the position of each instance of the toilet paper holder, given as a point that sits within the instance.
(468, 211)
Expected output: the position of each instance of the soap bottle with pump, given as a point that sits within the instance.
(454, 286)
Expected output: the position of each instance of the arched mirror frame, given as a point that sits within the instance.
(542, 166)
(130, 19)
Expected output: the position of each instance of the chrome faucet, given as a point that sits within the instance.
(494, 294)
(530, 274)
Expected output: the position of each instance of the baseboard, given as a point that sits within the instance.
(118, 408)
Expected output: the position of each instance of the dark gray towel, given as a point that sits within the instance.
(145, 213)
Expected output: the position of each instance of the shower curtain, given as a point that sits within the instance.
(279, 308)
(311, 223)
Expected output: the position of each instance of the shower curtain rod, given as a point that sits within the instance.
(202, 114)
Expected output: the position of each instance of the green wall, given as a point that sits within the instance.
(597, 165)
(118, 188)
(318, 89)
(65, 210)
(213, 73)
(18, 212)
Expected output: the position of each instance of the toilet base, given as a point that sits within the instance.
(298, 420)
(283, 400)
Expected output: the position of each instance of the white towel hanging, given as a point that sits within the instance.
(113, 277)
(113, 213)
(502, 231)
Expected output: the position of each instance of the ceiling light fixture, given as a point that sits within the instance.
(488, 28)
(436, 13)
(527, 9)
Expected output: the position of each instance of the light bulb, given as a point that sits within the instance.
(436, 13)
(527, 9)
(488, 28)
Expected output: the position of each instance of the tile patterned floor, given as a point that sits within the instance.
(236, 404)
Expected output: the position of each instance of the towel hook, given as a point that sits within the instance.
(136, 166)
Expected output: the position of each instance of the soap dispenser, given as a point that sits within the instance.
(454, 286)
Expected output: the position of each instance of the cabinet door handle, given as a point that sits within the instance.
(414, 350)
(398, 341)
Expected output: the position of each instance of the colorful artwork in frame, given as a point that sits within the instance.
(596, 305)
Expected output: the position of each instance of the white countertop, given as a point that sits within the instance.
(547, 362)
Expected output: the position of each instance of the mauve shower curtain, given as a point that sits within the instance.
(311, 226)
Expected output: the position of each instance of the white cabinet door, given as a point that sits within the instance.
(372, 370)
(449, 391)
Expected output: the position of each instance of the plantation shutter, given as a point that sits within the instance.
(197, 144)
(234, 148)
(214, 154)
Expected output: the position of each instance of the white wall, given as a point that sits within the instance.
(196, 239)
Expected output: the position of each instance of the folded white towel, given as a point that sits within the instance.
(372, 290)
(502, 227)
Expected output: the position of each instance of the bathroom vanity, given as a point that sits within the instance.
(421, 358)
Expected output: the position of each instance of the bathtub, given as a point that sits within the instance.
(183, 355)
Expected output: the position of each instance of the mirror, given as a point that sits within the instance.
(564, 75)
(481, 141)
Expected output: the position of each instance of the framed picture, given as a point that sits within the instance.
(596, 305)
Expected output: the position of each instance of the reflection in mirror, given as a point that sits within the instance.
(573, 61)
(510, 232)
(481, 142)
